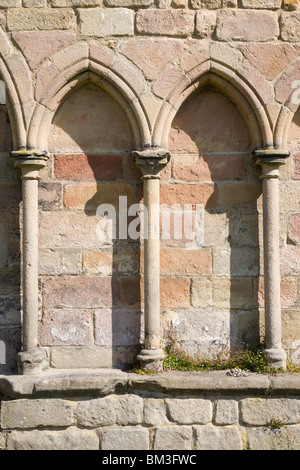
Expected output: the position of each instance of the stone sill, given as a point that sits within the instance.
(103, 382)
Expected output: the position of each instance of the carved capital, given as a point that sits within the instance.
(151, 161)
(30, 162)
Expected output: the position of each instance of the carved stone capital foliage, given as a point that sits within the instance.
(151, 161)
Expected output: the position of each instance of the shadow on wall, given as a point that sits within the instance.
(212, 165)
(92, 142)
(10, 292)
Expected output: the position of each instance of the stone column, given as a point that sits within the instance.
(151, 162)
(270, 161)
(30, 162)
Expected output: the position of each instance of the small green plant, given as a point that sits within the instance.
(276, 423)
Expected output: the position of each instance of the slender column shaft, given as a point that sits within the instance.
(271, 257)
(30, 162)
(30, 263)
(151, 161)
(270, 161)
(152, 265)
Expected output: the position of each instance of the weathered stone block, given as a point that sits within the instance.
(238, 25)
(237, 194)
(79, 292)
(155, 412)
(128, 3)
(264, 4)
(88, 167)
(118, 327)
(226, 412)
(66, 328)
(94, 413)
(173, 438)
(129, 410)
(205, 23)
(91, 357)
(99, 23)
(286, 438)
(209, 438)
(190, 411)
(260, 411)
(10, 3)
(174, 292)
(10, 310)
(41, 19)
(206, 194)
(50, 195)
(289, 25)
(183, 262)
(37, 46)
(69, 439)
(30, 413)
(165, 22)
(59, 261)
(125, 439)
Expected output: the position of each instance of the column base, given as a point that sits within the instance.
(276, 357)
(31, 362)
(151, 359)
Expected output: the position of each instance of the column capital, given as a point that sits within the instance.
(151, 161)
(30, 162)
(270, 160)
(271, 156)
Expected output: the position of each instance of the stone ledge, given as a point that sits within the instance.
(103, 382)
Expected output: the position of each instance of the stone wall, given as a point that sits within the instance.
(91, 81)
(175, 411)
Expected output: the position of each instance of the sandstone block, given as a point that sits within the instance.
(59, 261)
(96, 412)
(40, 19)
(239, 195)
(10, 310)
(208, 167)
(206, 194)
(174, 292)
(66, 328)
(264, 4)
(208, 438)
(226, 412)
(151, 56)
(260, 411)
(87, 167)
(79, 292)
(291, 5)
(40, 45)
(297, 167)
(90, 196)
(173, 438)
(10, 3)
(165, 22)
(290, 260)
(69, 439)
(289, 25)
(190, 411)
(29, 413)
(155, 412)
(117, 327)
(91, 357)
(129, 410)
(100, 23)
(50, 195)
(183, 262)
(125, 439)
(269, 439)
(294, 229)
(205, 23)
(239, 25)
(202, 292)
(75, 3)
(128, 3)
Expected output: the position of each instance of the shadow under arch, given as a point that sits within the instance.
(232, 203)
(235, 88)
(110, 174)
